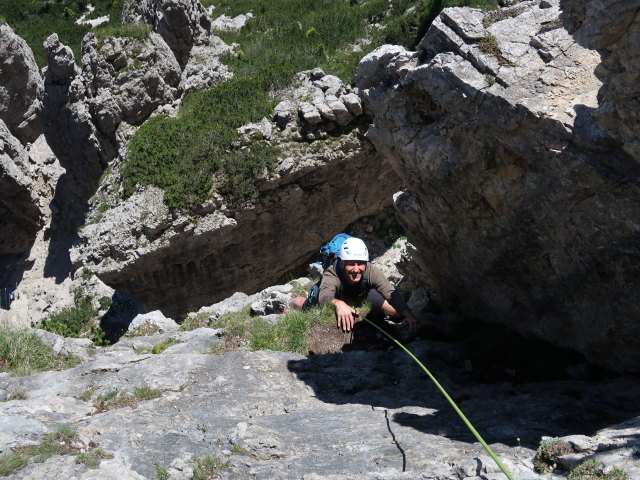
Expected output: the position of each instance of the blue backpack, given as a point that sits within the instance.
(330, 252)
(331, 249)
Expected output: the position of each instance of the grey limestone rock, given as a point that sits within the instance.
(226, 23)
(20, 211)
(20, 82)
(181, 23)
(65, 346)
(152, 322)
(522, 199)
(358, 414)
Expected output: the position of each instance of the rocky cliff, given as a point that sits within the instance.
(516, 133)
(179, 261)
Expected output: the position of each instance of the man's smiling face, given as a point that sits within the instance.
(353, 270)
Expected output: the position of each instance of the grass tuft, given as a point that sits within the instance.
(594, 470)
(162, 346)
(92, 458)
(115, 399)
(208, 468)
(62, 442)
(23, 353)
(79, 321)
(293, 333)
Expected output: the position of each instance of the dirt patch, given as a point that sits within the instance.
(329, 339)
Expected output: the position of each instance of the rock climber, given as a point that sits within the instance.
(350, 281)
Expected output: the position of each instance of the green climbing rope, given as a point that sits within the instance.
(450, 400)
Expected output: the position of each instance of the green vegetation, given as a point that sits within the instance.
(198, 152)
(23, 353)
(191, 156)
(161, 472)
(208, 468)
(547, 454)
(35, 20)
(201, 320)
(137, 30)
(62, 442)
(292, 334)
(92, 458)
(162, 346)
(115, 399)
(182, 155)
(80, 320)
(594, 470)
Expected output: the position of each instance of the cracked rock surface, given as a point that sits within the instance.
(356, 414)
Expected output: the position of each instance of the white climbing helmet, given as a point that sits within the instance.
(354, 249)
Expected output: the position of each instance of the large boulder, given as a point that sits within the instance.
(522, 167)
(127, 78)
(20, 82)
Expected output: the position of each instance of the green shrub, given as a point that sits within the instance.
(79, 320)
(184, 155)
(548, 452)
(23, 353)
(137, 30)
(594, 470)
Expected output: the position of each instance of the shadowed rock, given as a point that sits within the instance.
(523, 202)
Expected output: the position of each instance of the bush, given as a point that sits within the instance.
(548, 452)
(79, 320)
(137, 30)
(182, 155)
(23, 353)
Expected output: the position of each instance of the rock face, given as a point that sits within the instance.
(181, 23)
(176, 264)
(354, 415)
(522, 166)
(85, 115)
(19, 206)
(328, 176)
(20, 82)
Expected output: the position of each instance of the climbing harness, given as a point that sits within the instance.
(449, 399)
